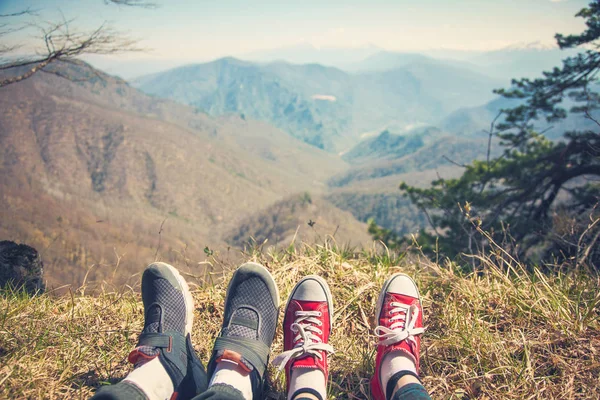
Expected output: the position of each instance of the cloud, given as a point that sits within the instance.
(557, 1)
(325, 97)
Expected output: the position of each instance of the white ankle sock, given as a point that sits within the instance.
(227, 372)
(307, 378)
(152, 379)
(392, 363)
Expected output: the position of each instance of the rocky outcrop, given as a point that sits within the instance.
(21, 266)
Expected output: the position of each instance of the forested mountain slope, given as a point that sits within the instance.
(89, 170)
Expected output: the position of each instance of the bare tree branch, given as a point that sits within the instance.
(71, 78)
(27, 11)
(62, 44)
(490, 135)
(590, 104)
(59, 43)
(453, 162)
(132, 3)
(7, 28)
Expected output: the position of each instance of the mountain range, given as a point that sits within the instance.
(324, 106)
(103, 176)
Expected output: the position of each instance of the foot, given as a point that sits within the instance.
(169, 314)
(400, 324)
(306, 329)
(249, 324)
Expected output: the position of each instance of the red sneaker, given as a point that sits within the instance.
(400, 324)
(306, 328)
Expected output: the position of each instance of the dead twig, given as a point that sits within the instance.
(159, 239)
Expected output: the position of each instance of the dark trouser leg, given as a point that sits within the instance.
(223, 391)
(220, 392)
(195, 381)
(412, 391)
(126, 391)
(120, 391)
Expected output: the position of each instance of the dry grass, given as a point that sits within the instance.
(503, 333)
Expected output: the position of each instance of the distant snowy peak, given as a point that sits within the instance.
(537, 45)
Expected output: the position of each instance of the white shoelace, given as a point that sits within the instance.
(305, 329)
(402, 326)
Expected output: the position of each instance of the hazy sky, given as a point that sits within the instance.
(207, 29)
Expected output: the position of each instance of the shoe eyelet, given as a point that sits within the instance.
(320, 314)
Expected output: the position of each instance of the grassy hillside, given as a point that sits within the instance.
(501, 333)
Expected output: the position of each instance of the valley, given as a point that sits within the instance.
(103, 176)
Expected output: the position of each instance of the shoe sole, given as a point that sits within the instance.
(385, 287)
(187, 296)
(325, 287)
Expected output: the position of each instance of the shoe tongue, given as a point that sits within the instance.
(153, 319)
(304, 362)
(243, 323)
(398, 298)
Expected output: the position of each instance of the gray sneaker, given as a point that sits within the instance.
(249, 323)
(169, 315)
